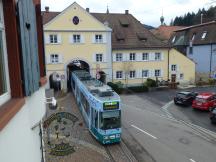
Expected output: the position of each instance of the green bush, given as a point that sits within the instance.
(116, 87)
(150, 83)
(212, 81)
(139, 88)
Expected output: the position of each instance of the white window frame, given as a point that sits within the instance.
(132, 56)
(144, 58)
(173, 40)
(53, 40)
(132, 74)
(119, 73)
(173, 67)
(158, 56)
(99, 57)
(181, 76)
(7, 95)
(204, 35)
(98, 38)
(143, 73)
(119, 57)
(193, 37)
(54, 59)
(155, 72)
(76, 38)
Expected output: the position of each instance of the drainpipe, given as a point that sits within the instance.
(210, 70)
(168, 63)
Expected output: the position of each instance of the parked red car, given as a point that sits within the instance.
(204, 101)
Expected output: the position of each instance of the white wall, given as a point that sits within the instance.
(18, 141)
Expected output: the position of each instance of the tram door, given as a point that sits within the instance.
(94, 118)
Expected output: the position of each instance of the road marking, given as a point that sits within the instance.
(192, 160)
(144, 132)
(165, 109)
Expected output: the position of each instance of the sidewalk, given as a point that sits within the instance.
(84, 147)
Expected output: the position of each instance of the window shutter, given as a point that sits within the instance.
(151, 73)
(48, 59)
(104, 38)
(114, 57)
(151, 56)
(139, 56)
(47, 40)
(71, 39)
(60, 58)
(93, 38)
(114, 74)
(82, 39)
(161, 72)
(162, 56)
(29, 46)
(59, 38)
(104, 57)
(124, 55)
(94, 57)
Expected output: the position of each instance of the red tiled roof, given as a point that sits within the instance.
(165, 32)
(48, 16)
(127, 31)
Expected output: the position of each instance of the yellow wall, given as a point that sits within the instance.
(88, 26)
(64, 21)
(186, 66)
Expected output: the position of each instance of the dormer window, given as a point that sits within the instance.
(204, 34)
(173, 40)
(193, 37)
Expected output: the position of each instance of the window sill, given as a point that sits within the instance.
(9, 110)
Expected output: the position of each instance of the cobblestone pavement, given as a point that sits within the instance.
(84, 147)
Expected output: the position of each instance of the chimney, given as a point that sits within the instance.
(126, 12)
(87, 9)
(47, 8)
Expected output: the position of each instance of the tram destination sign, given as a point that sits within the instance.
(111, 105)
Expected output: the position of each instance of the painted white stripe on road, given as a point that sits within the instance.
(192, 160)
(144, 132)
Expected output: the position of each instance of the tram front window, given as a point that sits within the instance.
(110, 120)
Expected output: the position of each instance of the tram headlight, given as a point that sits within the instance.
(106, 137)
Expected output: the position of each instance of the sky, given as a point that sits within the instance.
(146, 11)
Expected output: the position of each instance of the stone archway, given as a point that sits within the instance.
(75, 65)
(55, 81)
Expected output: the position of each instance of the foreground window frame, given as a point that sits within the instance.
(4, 96)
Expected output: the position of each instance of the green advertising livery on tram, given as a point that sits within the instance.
(99, 105)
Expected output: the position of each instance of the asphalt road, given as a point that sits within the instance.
(200, 118)
(163, 139)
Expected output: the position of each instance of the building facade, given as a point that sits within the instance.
(22, 80)
(198, 43)
(115, 46)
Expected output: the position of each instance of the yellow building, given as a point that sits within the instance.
(113, 47)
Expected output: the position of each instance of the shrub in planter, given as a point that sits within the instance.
(115, 87)
(139, 88)
(150, 83)
(212, 81)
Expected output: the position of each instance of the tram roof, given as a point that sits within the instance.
(100, 90)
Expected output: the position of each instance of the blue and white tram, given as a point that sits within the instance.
(99, 105)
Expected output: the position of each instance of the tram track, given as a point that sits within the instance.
(119, 152)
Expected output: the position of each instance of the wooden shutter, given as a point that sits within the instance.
(71, 38)
(59, 38)
(82, 39)
(29, 46)
(48, 61)
(104, 38)
(47, 39)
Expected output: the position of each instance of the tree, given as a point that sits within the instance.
(127, 67)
